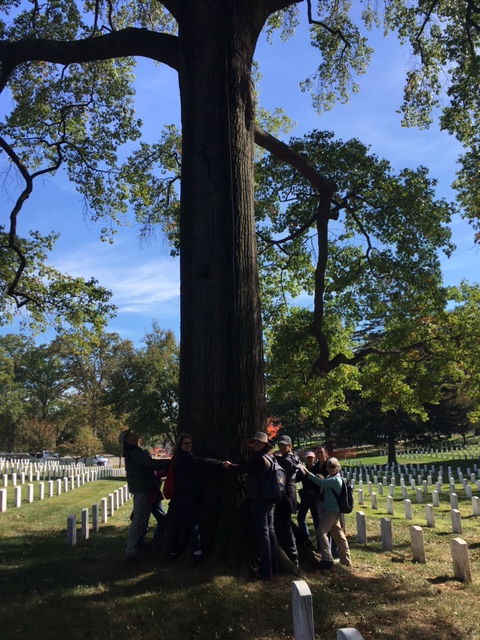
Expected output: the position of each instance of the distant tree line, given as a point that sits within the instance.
(74, 394)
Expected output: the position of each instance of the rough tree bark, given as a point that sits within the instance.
(221, 362)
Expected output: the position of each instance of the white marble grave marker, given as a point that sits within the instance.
(456, 521)
(417, 544)
(361, 527)
(349, 633)
(461, 561)
(95, 521)
(407, 506)
(386, 534)
(476, 506)
(430, 518)
(85, 524)
(302, 610)
(71, 531)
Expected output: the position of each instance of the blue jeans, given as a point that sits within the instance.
(159, 514)
(307, 503)
(261, 513)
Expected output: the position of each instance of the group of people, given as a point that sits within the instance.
(272, 523)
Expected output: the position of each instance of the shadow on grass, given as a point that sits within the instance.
(88, 591)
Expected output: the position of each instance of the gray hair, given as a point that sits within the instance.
(333, 462)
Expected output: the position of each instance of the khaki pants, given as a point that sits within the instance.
(330, 523)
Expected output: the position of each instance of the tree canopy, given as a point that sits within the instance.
(69, 71)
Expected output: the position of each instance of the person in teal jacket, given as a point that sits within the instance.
(330, 516)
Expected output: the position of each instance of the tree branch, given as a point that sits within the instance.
(21, 298)
(334, 32)
(296, 234)
(118, 44)
(296, 160)
(323, 366)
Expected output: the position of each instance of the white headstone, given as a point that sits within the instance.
(71, 531)
(361, 527)
(103, 509)
(111, 505)
(456, 521)
(85, 524)
(390, 505)
(386, 534)
(348, 633)
(461, 561)
(302, 610)
(430, 518)
(407, 506)
(417, 544)
(95, 521)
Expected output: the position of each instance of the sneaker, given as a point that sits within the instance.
(325, 564)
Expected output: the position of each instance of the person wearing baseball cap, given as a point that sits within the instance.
(288, 505)
(307, 496)
(261, 510)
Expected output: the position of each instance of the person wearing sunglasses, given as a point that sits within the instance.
(329, 522)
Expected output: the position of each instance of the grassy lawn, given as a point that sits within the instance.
(49, 590)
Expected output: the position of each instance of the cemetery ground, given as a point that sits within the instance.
(49, 590)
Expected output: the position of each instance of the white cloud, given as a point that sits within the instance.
(140, 280)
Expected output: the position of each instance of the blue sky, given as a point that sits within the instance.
(145, 279)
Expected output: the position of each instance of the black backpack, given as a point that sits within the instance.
(345, 499)
(274, 488)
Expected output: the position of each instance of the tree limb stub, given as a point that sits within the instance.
(118, 44)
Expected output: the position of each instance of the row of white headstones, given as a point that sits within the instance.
(376, 478)
(50, 487)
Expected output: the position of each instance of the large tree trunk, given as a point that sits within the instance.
(221, 362)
